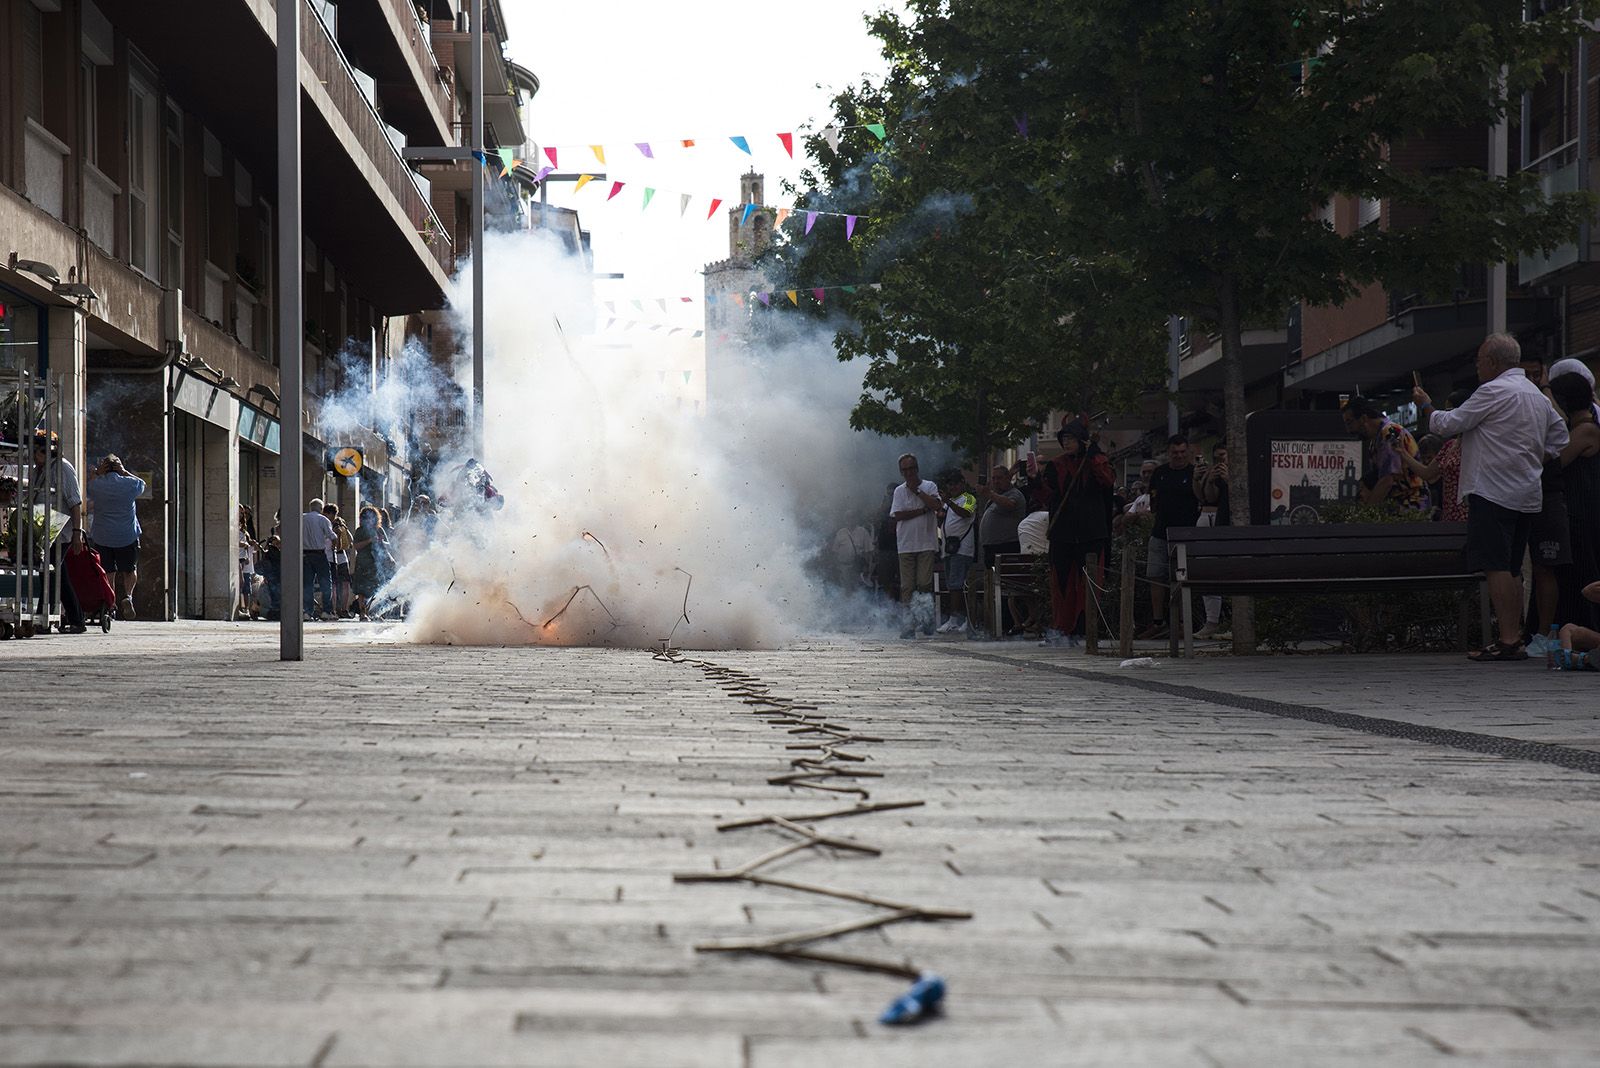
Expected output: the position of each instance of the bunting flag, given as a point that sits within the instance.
(686, 300)
(811, 220)
(765, 299)
(849, 227)
(599, 153)
(611, 306)
(644, 149)
(683, 204)
(818, 292)
(741, 144)
(480, 157)
(662, 302)
(638, 306)
(748, 208)
(788, 143)
(583, 180)
(698, 333)
(877, 130)
(507, 162)
(688, 142)
(830, 134)
(648, 193)
(616, 187)
(686, 375)
(550, 154)
(848, 289)
(783, 213)
(715, 204)
(793, 295)
(543, 172)
(738, 298)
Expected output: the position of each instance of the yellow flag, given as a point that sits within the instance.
(793, 295)
(599, 153)
(583, 180)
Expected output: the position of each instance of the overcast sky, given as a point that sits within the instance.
(616, 72)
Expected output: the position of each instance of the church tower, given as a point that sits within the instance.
(749, 237)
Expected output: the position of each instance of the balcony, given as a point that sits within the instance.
(362, 204)
(1266, 346)
(389, 40)
(1561, 171)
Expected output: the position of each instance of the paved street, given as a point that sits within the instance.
(399, 855)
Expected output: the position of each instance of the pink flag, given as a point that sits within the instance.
(616, 187)
(811, 220)
(715, 204)
(849, 227)
(685, 300)
(788, 143)
(550, 154)
(818, 294)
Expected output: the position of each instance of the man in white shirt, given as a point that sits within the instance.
(49, 466)
(915, 509)
(1508, 428)
(316, 535)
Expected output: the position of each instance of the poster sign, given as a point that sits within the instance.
(1307, 476)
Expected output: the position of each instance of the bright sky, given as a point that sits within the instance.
(616, 72)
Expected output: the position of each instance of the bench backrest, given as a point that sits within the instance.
(1320, 539)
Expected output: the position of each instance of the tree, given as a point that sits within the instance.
(1200, 139)
(980, 323)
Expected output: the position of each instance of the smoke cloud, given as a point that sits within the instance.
(628, 516)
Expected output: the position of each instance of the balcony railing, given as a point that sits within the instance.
(1471, 283)
(419, 39)
(338, 78)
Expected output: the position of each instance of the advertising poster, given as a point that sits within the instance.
(1309, 475)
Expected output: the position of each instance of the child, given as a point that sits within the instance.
(1578, 644)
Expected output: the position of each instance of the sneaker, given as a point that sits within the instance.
(309, 618)
(1208, 631)
(954, 623)
(125, 609)
(329, 617)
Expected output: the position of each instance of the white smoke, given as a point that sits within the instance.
(616, 496)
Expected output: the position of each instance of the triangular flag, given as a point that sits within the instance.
(686, 375)
(662, 303)
(811, 220)
(655, 326)
(783, 213)
(711, 298)
(616, 187)
(715, 204)
(481, 157)
(550, 154)
(788, 143)
(793, 295)
(543, 171)
(609, 322)
(683, 203)
(611, 306)
(630, 326)
(765, 299)
(675, 330)
(849, 227)
(830, 134)
(583, 180)
(848, 289)
(644, 149)
(688, 142)
(741, 144)
(507, 161)
(638, 305)
(648, 193)
(818, 294)
(877, 285)
(685, 300)
(599, 153)
(748, 208)
(877, 130)
(698, 333)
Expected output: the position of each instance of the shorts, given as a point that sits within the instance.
(1497, 537)
(124, 559)
(1550, 540)
(955, 572)
(1156, 564)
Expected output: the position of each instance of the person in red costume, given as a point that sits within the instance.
(1075, 488)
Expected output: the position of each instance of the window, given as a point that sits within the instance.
(89, 97)
(1368, 212)
(173, 276)
(143, 174)
(32, 63)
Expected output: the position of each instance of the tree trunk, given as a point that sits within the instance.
(1244, 628)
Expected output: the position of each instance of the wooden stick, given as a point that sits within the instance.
(823, 839)
(902, 971)
(815, 817)
(743, 870)
(816, 934)
(927, 912)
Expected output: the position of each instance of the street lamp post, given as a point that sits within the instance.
(291, 631)
(477, 228)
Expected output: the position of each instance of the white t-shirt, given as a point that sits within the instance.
(1033, 532)
(958, 537)
(1140, 505)
(919, 535)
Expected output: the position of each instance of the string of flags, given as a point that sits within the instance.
(766, 298)
(629, 324)
(817, 293)
(833, 135)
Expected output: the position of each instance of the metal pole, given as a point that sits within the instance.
(1499, 150)
(290, 335)
(1174, 334)
(478, 173)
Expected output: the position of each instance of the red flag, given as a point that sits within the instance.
(818, 294)
(550, 154)
(788, 143)
(715, 204)
(616, 187)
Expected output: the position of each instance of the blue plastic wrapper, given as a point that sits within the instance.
(923, 998)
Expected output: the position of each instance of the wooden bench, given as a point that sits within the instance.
(1322, 557)
(1016, 575)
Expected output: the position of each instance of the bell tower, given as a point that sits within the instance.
(749, 232)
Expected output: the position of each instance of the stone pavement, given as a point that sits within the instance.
(398, 855)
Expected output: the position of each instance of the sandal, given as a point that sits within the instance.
(1497, 651)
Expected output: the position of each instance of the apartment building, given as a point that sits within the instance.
(137, 217)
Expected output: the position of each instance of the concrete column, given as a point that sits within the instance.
(68, 354)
